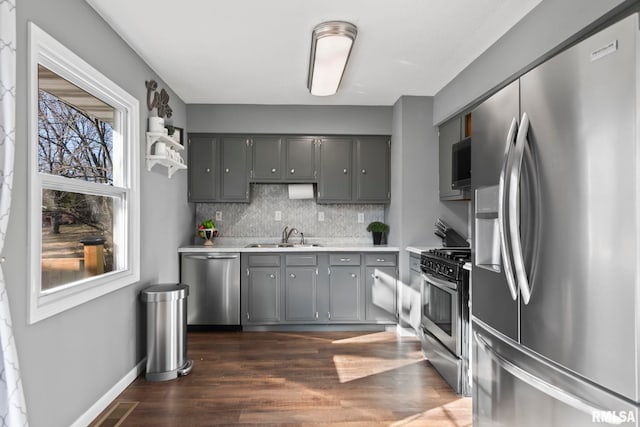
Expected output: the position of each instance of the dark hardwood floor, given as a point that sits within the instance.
(295, 379)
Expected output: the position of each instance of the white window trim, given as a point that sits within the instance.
(45, 50)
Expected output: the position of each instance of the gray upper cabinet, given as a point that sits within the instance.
(354, 169)
(267, 158)
(235, 155)
(202, 172)
(300, 159)
(450, 133)
(336, 169)
(373, 160)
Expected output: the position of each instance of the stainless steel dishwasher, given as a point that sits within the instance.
(214, 287)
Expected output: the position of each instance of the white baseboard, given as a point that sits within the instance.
(96, 409)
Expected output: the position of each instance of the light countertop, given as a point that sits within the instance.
(417, 250)
(228, 244)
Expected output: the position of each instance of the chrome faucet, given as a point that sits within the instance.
(286, 235)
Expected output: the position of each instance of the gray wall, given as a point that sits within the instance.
(289, 119)
(415, 203)
(546, 27)
(71, 360)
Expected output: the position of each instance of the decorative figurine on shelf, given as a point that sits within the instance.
(207, 231)
(160, 102)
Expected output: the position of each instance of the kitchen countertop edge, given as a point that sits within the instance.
(333, 248)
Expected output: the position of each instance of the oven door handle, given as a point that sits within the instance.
(442, 284)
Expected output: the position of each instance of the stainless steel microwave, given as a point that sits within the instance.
(461, 164)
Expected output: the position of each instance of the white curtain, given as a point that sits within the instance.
(13, 411)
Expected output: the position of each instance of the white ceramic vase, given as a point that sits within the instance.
(156, 124)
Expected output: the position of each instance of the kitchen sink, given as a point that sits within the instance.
(282, 245)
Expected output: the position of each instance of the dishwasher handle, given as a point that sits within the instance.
(212, 256)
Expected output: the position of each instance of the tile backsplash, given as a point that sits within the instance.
(256, 219)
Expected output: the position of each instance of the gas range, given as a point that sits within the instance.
(446, 263)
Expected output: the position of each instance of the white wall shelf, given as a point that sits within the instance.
(169, 161)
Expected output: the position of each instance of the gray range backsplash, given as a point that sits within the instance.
(256, 219)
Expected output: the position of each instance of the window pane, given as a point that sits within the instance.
(77, 237)
(75, 133)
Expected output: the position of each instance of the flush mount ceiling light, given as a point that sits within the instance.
(331, 44)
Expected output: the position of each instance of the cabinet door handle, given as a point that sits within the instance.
(329, 315)
(293, 171)
(272, 276)
(345, 259)
(353, 275)
(248, 317)
(293, 276)
(273, 170)
(316, 315)
(344, 171)
(207, 170)
(226, 170)
(364, 171)
(379, 259)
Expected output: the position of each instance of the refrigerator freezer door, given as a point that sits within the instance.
(582, 106)
(491, 299)
(512, 387)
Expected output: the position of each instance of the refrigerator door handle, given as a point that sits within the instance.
(541, 385)
(502, 213)
(514, 228)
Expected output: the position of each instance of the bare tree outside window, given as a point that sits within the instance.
(74, 144)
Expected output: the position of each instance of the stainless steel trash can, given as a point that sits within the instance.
(166, 307)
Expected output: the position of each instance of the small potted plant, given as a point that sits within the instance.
(379, 232)
(207, 231)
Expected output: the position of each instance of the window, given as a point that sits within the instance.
(84, 178)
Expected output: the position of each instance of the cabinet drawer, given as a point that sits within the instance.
(302, 260)
(344, 259)
(381, 259)
(414, 263)
(264, 260)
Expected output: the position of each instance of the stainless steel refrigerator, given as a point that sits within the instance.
(555, 293)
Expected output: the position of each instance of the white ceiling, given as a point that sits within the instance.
(257, 51)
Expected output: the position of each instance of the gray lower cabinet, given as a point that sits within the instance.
(301, 293)
(318, 288)
(373, 162)
(301, 288)
(260, 289)
(203, 167)
(411, 303)
(235, 155)
(345, 294)
(381, 274)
